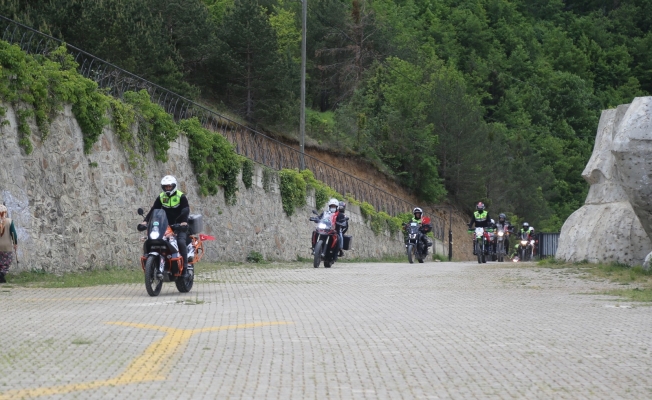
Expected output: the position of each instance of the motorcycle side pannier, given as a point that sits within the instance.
(196, 224)
(347, 242)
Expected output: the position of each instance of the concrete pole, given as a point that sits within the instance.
(302, 119)
(450, 232)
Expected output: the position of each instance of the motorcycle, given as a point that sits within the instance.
(481, 243)
(500, 238)
(414, 244)
(161, 261)
(525, 247)
(326, 239)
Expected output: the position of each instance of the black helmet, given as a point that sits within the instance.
(342, 207)
(480, 206)
(501, 217)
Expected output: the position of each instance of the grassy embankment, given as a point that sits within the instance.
(635, 281)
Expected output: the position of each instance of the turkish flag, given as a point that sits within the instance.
(206, 237)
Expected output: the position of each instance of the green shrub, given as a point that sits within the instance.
(269, 176)
(293, 190)
(323, 192)
(213, 159)
(247, 172)
(156, 128)
(44, 84)
(255, 257)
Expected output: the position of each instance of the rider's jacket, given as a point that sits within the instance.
(529, 233)
(481, 220)
(424, 227)
(170, 201)
(176, 207)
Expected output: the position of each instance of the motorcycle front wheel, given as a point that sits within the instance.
(317, 260)
(410, 253)
(501, 251)
(184, 283)
(479, 251)
(152, 283)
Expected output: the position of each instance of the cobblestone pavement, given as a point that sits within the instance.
(363, 331)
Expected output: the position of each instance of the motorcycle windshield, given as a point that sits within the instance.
(158, 224)
(326, 222)
(413, 228)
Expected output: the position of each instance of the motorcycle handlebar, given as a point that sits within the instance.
(179, 227)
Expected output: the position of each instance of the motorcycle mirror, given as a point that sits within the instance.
(315, 212)
(140, 211)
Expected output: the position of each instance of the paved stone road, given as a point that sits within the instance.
(363, 331)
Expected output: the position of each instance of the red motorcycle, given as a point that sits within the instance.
(325, 239)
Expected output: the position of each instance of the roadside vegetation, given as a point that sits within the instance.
(635, 281)
(492, 100)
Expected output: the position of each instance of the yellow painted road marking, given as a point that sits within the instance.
(154, 364)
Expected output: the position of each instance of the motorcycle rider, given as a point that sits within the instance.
(526, 228)
(480, 218)
(341, 210)
(424, 228)
(175, 204)
(508, 228)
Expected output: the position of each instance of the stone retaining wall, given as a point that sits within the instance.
(74, 211)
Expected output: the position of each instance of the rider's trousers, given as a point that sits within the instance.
(182, 238)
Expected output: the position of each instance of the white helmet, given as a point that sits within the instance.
(169, 180)
(333, 203)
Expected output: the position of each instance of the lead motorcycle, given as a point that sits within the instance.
(325, 239)
(161, 261)
(414, 244)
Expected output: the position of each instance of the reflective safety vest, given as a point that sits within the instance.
(171, 201)
(416, 220)
(480, 216)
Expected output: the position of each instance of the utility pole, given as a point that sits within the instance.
(450, 232)
(302, 119)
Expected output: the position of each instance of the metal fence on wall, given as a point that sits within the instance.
(248, 142)
(547, 244)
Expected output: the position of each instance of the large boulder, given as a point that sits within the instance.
(606, 228)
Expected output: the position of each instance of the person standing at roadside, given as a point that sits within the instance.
(8, 242)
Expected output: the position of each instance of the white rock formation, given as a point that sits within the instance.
(632, 150)
(606, 228)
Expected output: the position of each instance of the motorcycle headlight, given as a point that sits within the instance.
(321, 225)
(154, 234)
(501, 233)
(532, 242)
(523, 242)
(413, 236)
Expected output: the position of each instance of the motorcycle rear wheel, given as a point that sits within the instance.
(152, 283)
(317, 260)
(410, 253)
